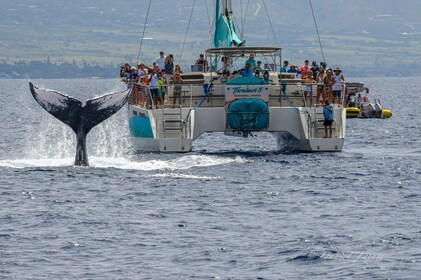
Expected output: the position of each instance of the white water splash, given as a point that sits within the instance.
(179, 163)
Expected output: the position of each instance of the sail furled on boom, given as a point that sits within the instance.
(225, 34)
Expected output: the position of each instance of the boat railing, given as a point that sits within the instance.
(140, 96)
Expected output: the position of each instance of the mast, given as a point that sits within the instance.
(225, 34)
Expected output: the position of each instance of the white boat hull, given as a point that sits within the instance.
(291, 130)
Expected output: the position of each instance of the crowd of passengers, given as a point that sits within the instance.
(329, 83)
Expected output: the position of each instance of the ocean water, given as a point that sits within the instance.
(232, 208)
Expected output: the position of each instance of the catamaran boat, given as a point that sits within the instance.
(219, 98)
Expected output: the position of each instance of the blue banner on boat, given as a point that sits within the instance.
(248, 114)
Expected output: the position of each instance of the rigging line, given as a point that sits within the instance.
(210, 24)
(143, 34)
(187, 31)
(270, 22)
(244, 20)
(317, 30)
(207, 12)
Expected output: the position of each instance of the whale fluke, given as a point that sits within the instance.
(81, 119)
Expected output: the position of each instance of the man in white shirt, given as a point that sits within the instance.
(160, 60)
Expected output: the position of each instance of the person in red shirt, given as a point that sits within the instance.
(304, 69)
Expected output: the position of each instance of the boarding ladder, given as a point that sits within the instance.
(172, 123)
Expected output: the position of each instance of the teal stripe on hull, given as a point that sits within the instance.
(140, 127)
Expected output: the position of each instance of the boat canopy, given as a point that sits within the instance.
(244, 50)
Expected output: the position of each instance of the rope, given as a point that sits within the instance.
(317, 30)
(187, 31)
(243, 23)
(270, 22)
(143, 34)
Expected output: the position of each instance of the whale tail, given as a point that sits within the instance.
(81, 119)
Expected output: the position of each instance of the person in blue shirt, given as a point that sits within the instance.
(284, 67)
(294, 69)
(247, 72)
(328, 114)
(251, 61)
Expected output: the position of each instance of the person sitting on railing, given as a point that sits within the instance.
(177, 81)
(202, 61)
(247, 72)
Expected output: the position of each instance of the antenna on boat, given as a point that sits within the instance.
(187, 31)
(143, 34)
(317, 30)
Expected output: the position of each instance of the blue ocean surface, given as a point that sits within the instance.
(233, 208)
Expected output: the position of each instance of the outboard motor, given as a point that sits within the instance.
(379, 109)
(369, 111)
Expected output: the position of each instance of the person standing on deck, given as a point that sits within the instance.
(169, 64)
(315, 69)
(293, 69)
(284, 67)
(153, 88)
(328, 114)
(304, 69)
(320, 87)
(164, 84)
(202, 61)
(338, 86)
(178, 82)
(160, 60)
(328, 82)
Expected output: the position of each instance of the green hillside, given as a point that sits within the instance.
(364, 37)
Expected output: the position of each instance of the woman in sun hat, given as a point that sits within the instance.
(293, 69)
(338, 86)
